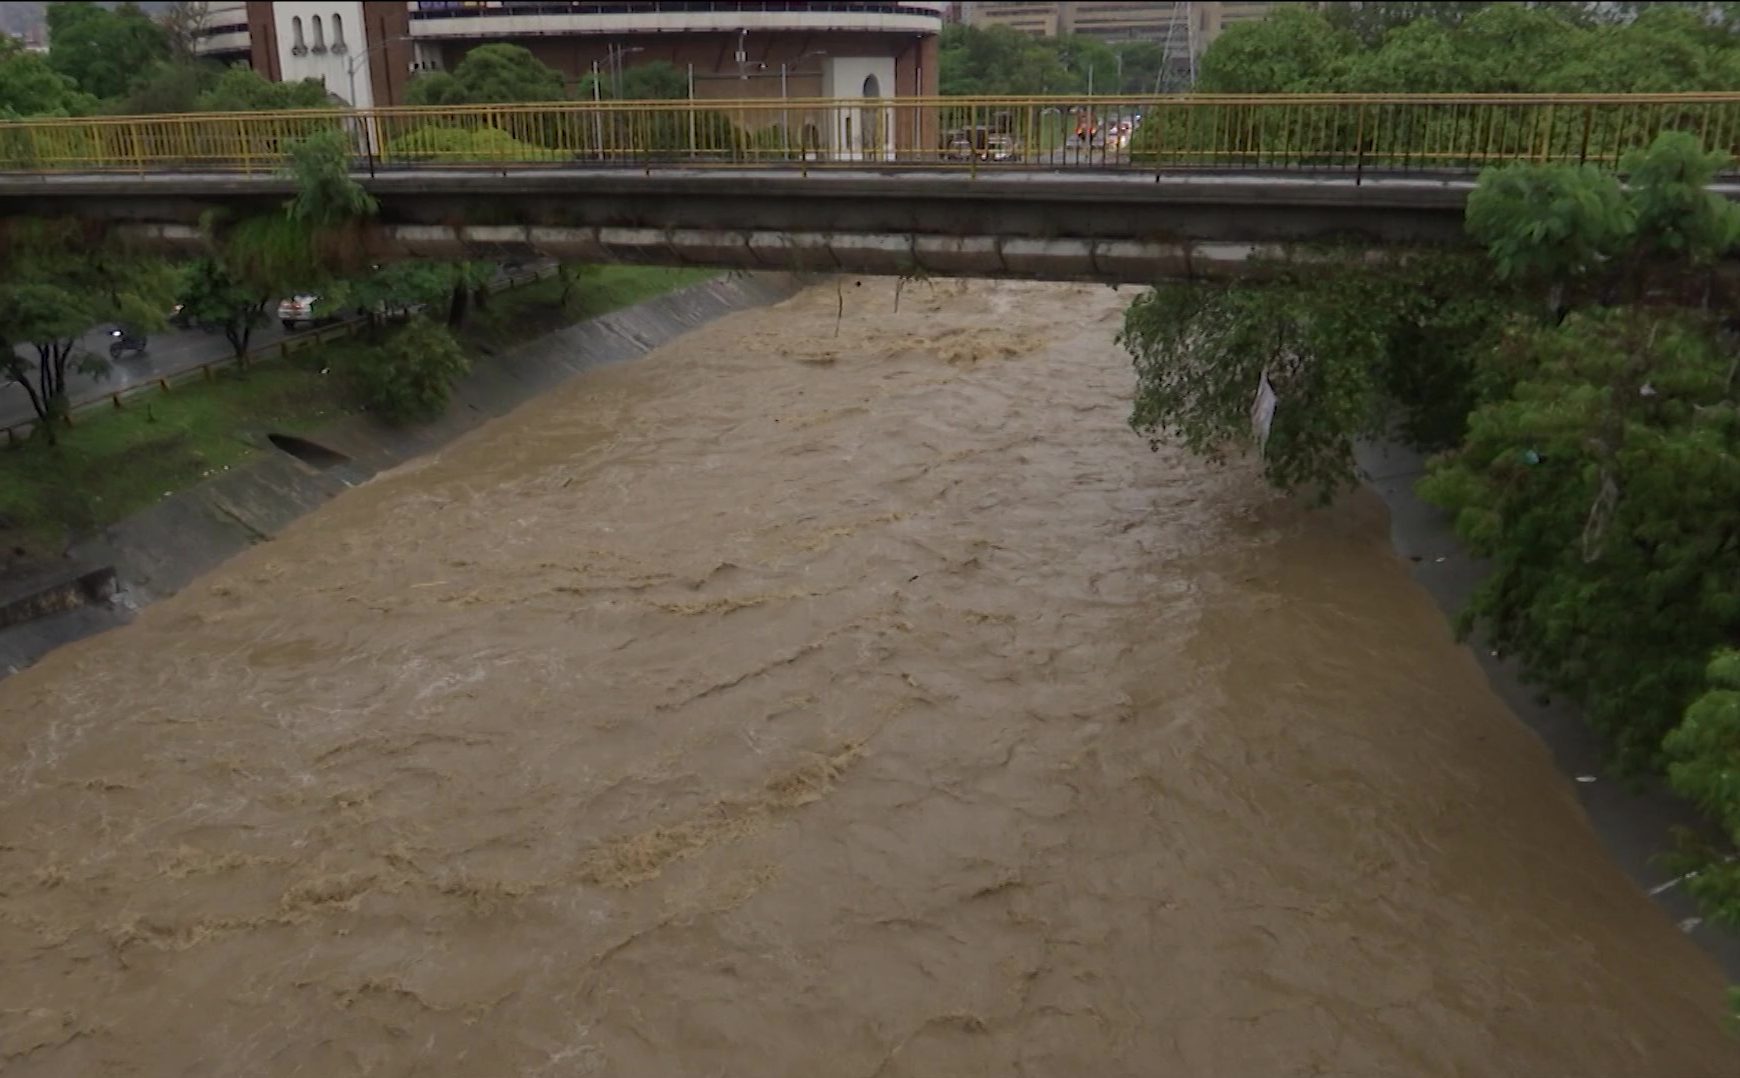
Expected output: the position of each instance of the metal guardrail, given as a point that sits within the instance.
(1307, 133)
(282, 348)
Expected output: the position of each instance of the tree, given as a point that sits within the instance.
(1371, 23)
(1604, 488)
(105, 51)
(241, 89)
(1294, 50)
(49, 318)
(182, 23)
(399, 288)
(997, 60)
(1475, 48)
(1545, 222)
(57, 283)
(1419, 57)
(1344, 346)
(1142, 64)
(214, 293)
(30, 86)
(655, 81)
(326, 195)
(1705, 754)
(411, 376)
(1601, 474)
(170, 87)
(489, 74)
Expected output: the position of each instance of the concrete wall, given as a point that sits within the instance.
(162, 549)
(868, 132)
(325, 40)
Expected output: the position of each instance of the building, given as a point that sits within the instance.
(368, 52)
(1038, 19)
(1184, 29)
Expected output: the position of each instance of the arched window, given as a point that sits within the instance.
(337, 32)
(872, 87)
(319, 36)
(296, 33)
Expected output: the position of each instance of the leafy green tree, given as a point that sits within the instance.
(1088, 61)
(171, 87)
(489, 74)
(106, 51)
(49, 318)
(1705, 754)
(182, 24)
(241, 89)
(326, 195)
(1205, 353)
(1679, 218)
(658, 80)
(57, 283)
(30, 86)
(1544, 222)
(411, 376)
(1294, 50)
(213, 293)
(1371, 23)
(997, 60)
(1422, 56)
(1474, 48)
(1565, 226)
(401, 288)
(1346, 347)
(1604, 489)
(1667, 48)
(1140, 65)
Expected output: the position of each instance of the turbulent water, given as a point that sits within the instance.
(815, 698)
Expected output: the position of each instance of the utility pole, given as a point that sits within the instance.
(597, 111)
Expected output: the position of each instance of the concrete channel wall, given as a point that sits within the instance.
(162, 549)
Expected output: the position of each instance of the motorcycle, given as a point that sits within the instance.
(122, 341)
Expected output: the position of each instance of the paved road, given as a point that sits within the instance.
(169, 353)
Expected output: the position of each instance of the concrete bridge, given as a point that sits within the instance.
(1110, 226)
(1114, 190)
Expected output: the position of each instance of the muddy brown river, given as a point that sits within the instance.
(812, 701)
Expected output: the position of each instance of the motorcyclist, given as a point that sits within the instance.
(123, 339)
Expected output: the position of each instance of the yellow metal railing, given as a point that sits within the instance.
(1294, 132)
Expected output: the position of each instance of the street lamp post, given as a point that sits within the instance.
(784, 113)
(616, 53)
(350, 69)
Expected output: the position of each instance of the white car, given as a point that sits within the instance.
(304, 310)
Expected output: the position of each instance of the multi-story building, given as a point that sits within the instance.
(367, 52)
(1184, 29)
(1038, 19)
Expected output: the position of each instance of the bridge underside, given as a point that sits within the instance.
(1110, 261)
(1120, 227)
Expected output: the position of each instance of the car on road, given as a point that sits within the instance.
(305, 309)
(981, 143)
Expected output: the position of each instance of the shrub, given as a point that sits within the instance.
(410, 375)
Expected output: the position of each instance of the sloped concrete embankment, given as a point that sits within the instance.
(162, 549)
(1638, 819)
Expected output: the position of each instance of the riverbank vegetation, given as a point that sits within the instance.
(111, 463)
(424, 322)
(1575, 367)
